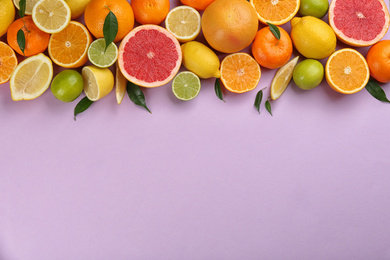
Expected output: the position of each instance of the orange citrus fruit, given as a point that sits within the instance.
(36, 40)
(277, 12)
(229, 25)
(240, 72)
(69, 47)
(269, 51)
(346, 71)
(96, 12)
(150, 11)
(199, 5)
(8, 62)
(378, 60)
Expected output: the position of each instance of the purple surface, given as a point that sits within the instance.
(196, 180)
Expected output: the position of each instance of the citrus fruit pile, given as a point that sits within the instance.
(99, 45)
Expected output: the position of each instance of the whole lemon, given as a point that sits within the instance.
(200, 59)
(7, 15)
(77, 7)
(312, 37)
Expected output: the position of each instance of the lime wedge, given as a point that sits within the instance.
(99, 56)
(186, 85)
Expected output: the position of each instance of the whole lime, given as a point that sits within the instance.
(67, 85)
(316, 8)
(308, 74)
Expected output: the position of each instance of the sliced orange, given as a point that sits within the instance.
(346, 71)
(8, 62)
(69, 47)
(240, 72)
(277, 12)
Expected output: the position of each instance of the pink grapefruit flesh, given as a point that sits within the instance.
(359, 22)
(149, 56)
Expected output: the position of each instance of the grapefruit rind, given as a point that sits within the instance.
(157, 65)
(371, 23)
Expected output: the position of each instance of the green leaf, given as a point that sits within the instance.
(22, 8)
(218, 89)
(275, 30)
(258, 99)
(110, 28)
(21, 39)
(376, 91)
(83, 105)
(268, 107)
(136, 95)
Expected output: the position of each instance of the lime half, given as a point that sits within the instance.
(186, 85)
(99, 56)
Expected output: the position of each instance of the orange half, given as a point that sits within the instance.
(277, 12)
(69, 47)
(8, 62)
(346, 71)
(240, 72)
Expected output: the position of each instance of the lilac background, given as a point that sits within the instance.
(196, 180)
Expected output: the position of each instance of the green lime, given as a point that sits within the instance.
(67, 85)
(316, 8)
(99, 56)
(308, 74)
(186, 85)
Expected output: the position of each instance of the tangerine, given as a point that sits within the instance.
(269, 51)
(36, 40)
(378, 60)
(96, 12)
(199, 5)
(150, 11)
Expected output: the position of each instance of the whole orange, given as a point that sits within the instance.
(378, 60)
(199, 5)
(229, 25)
(150, 11)
(36, 40)
(96, 12)
(269, 51)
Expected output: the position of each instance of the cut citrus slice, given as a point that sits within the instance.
(31, 77)
(98, 82)
(120, 85)
(29, 5)
(69, 47)
(346, 71)
(240, 72)
(101, 57)
(8, 62)
(184, 22)
(186, 85)
(277, 12)
(51, 16)
(282, 78)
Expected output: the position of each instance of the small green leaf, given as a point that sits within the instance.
(258, 99)
(22, 8)
(218, 89)
(275, 30)
(21, 39)
(268, 107)
(136, 95)
(110, 28)
(376, 91)
(83, 105)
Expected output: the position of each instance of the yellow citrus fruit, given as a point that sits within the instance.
(31, 78)
(200, 59)
(120, 85)
(7, 15)
(29, 5)
(277, 12)
(98, 82)
(183, 22)
(8, 62)
(51, 16)
(347, 71)
(282, 78)
(312, 37)
(77, 7)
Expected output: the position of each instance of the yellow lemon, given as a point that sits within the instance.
(7, 15)
(312, 37)
(77, 7)
(200, 59)
(98, 82)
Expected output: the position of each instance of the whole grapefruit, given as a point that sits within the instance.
(229, 25)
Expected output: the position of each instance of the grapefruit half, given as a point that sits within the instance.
(359, 23)
(149, 56)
